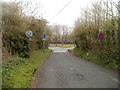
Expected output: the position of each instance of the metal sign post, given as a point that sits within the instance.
(44, 39)
(29, 35)
(100, 36)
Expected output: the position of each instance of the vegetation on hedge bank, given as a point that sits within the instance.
(98, 60)
(15, 24)
(18, 72)
(25, 54)
(95, 20)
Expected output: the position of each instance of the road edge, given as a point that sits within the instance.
(73, 53)
(31, 83)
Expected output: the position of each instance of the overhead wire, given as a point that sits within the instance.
(62, 9)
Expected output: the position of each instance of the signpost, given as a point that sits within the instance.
(100, 36)
(29, 35)
(43, 38)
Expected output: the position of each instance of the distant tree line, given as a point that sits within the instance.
(61, 35)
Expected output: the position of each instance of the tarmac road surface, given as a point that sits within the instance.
(64, 70)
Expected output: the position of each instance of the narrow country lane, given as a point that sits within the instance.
(63, 70)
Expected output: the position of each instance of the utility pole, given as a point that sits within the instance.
(0, 45)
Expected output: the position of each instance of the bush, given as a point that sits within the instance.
(14, 27)
(17, 44)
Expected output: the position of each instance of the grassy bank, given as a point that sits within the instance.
(95, 59)
(60, 45)
(18, 72)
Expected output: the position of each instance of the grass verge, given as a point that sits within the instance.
(95, 59)
(60, 45)
(18, 72)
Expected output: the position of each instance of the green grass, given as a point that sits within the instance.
(67, 46)
(0, 77)
(60, 45)
(18, 72)
(95, 59)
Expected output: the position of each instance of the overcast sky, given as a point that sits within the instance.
(49, 8)
(66, 16)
